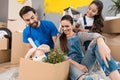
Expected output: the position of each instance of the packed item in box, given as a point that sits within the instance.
(5, 38)
(52, 67)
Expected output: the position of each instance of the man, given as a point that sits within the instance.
(41, 32)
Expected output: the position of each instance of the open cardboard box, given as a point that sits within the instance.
(18, 48)
(112, 26)
(34, 70)
(113, 41)
(115, 51)
(114, 45)
(16, 25)
(4, 44)
(5, 55)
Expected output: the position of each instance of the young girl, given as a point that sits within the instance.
(71, 42)
(92, 20)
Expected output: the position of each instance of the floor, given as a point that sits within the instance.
(9, 71)
(6, 66)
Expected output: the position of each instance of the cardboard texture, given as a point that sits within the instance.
(114, 45)
(18, 48)
(3, 24)
(16, 25)
(5, 55)
(4, 44)
(31, 70)
(112, 26)
(14, 7)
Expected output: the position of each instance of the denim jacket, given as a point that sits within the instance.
(75, 48)
(75, 44)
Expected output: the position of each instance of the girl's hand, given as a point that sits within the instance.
(104, 51)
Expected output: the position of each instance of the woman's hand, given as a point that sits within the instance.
(82, 68)
(104, 51)
(79, 66)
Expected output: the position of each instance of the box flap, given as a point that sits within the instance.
(4, 44)
(33, 70)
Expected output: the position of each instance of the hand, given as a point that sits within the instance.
(82, 68)
(79, 66)
(104, 52)
(105, 55)
(44, 47)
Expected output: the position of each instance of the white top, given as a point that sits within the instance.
(88, 20)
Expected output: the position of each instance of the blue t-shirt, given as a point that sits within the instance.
(41, 35)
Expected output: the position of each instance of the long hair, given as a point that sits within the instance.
(98, 19)
(63, 37)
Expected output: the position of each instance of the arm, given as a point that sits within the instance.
(25, 37)
(103, 50)
(80, 25)
(80, 28)
(28, 46)
(102, 47)
(79, 66)
(84, 36)
(54, 38)
(53, 33)
(84, 30)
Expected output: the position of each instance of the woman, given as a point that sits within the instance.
(80, 62)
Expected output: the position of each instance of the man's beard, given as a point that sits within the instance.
(34, 24)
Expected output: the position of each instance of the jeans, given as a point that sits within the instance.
(75, 73)
(91, 56)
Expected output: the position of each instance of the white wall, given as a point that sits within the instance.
(39, 6)
(3, 10)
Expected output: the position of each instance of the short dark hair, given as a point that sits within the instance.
(25, 10)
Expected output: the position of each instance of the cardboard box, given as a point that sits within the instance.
(5, 55)
(114, 45)
(4, 44)
(14, 7)
(3, 24)
(18, 48)
(115, 51)
(112, 26)
(16, 25)
(31, 70)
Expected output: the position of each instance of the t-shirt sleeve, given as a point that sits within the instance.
(79, 21)
(25, 36)
(53, 29)
(58, 42)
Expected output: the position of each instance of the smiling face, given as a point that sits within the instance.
(66, 27)
(31, 19)
(92, 10)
